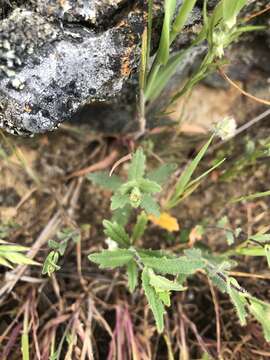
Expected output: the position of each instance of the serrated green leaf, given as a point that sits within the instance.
(149, 186)
(132, 272)
(50, 263)
(111, 258)
(53, 244)
(121, 215)
(116, 232)
(128, 186)
(261, 311)
(140, 226)
(160, 283)
(153, 253)
(118, 201)
(165, 297)
(104, 180)
(181, 265)
(154, 301)
(137, 166)
(162, 173)
(238, 300)
(193, 254)
(150, 205)
(218, 281)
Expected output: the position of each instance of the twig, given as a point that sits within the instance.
(195, 331)
(218, 329)
(261, 101)
(141, 119)
(104, 163)
(257, 13)
(120, 161)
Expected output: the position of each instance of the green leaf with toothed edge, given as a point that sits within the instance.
(162, 173)
(116, 232)
(155, 303)
(137, 166)
(174, 266)
(150, 205)
(118, 201)
(103, 179)
(111, 258)
(160, 283)
(261, 311)
(132, 272)
(238, 299)
(149, 186)
(140, 226)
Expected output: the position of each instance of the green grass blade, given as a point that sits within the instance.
(164, 45)
(252, 196)
(199, 178)
(25, 338)
(181, 18)
(149, 30)
(231, 9)
(159, 80)
(184, 179)
(251, 251)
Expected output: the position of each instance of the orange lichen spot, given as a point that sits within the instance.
(27, 108)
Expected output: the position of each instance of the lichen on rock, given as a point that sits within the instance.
(50, 68)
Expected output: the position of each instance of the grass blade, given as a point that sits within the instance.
(164, 45)
(252, 196)
(184, 179)
(181, 18)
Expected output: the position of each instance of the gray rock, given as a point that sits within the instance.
(78, 60)
(48, 70)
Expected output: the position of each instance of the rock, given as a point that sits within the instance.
(48, 70)
(78, 60)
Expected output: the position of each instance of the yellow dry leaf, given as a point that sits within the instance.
(165, 221)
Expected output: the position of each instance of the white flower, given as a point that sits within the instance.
(112, 245)
(219, 41)
(226, 128)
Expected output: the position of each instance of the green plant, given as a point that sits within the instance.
(13, 254)
(58, 249)
(161, 272)
(219, 30)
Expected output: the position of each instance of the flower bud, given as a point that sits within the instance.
(226, 128)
